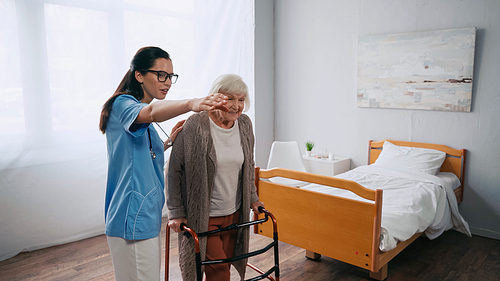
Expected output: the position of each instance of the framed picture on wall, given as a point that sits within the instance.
(429, 70)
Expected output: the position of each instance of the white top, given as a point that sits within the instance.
(226, 195)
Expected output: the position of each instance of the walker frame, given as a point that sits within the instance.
(188, 232)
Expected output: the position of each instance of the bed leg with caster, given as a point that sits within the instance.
(381, 274)
(312, 255)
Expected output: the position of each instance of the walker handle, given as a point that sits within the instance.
(183, 228)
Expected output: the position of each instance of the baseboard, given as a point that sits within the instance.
(485, 232)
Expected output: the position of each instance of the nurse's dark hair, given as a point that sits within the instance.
(143, 60)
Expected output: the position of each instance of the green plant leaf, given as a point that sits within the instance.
(309, 145)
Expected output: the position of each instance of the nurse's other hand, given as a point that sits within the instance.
(175, 224)
(212, 102)
(175, 130)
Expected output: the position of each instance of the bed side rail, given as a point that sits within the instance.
(320, 179)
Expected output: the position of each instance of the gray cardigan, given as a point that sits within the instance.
(190, 179)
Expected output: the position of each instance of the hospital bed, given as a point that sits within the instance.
(354, 217)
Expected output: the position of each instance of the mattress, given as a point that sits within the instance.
(413, 202)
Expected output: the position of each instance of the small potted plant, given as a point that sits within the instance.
(309, 147)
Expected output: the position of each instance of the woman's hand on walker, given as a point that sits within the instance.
(255, 206)
(212, 102)
(175, 224)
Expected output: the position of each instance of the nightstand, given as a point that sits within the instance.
(325, 166)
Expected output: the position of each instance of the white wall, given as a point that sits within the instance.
(315, 56)
(264, 80)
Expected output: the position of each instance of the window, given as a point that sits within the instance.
(62, 59)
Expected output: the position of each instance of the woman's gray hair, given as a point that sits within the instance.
(231, 84)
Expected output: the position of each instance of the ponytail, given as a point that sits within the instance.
(129, 85)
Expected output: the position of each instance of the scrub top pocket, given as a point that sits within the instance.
(144, 214)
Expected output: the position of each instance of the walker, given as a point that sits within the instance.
(188, 232)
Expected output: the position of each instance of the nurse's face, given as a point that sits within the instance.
(150, 81)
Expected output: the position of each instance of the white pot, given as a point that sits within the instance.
(308, 153)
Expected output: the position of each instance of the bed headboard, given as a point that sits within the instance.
(454, 162)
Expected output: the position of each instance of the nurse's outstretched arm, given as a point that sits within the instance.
(163, 110)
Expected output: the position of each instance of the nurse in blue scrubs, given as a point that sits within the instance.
(134, 191)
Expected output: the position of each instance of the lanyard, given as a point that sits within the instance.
(168, 137)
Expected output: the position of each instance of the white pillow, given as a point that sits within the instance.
(410, 158)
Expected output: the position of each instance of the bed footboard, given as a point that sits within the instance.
(344, 229)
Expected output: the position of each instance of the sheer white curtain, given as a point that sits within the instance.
(60, 60)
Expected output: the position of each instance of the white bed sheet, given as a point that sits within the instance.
(450, 178)
(412, 202)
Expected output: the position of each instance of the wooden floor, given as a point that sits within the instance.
(452, 256)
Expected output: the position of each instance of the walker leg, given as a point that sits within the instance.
(167, 251)
(261, 272)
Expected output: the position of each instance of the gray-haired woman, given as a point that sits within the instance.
(210, 181)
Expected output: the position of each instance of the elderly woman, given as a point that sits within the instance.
(210, 181)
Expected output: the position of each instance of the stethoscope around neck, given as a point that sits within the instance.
(151, 151)
(153, 154)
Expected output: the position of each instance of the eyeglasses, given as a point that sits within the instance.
(163, 76)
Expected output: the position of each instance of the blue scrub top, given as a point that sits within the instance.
(134, 191)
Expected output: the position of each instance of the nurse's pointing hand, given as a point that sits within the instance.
(212, 102)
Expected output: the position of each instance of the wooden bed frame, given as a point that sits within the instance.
(340, 228)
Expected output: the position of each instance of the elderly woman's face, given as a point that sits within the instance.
(235, 104)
